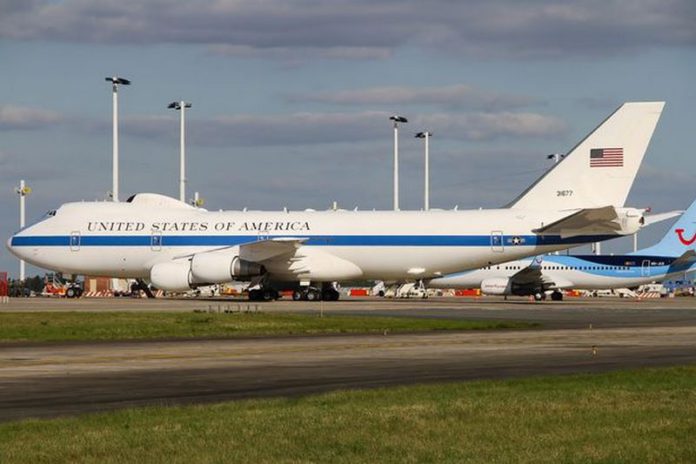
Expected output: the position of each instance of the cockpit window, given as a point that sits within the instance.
(51, 213)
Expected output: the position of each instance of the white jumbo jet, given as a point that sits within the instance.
(177, 246)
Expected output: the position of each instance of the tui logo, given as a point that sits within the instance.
(687, 242)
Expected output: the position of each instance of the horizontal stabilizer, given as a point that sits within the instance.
(592, 221)
(655, 218)
(685, 260)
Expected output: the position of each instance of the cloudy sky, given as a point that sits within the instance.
(291, 99)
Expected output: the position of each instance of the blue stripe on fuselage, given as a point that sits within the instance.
(317, 240)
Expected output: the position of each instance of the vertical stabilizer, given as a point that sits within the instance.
(680, 238)
(600, 170)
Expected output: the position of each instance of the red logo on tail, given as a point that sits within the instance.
(687, 242)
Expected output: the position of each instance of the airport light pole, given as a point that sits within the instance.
(426, 198)
(396, 119)
(635, 242)
(181, 106)
(23, 190)
(115, 82)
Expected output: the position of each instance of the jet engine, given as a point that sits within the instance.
(203, 268)
(222, 266)
(496, 286)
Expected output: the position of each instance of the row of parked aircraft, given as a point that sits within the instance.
(177, 246)
(670, 258)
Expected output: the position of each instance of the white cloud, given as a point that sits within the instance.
(307, 128)
(361, 28)
(24, 118)
(459, 95)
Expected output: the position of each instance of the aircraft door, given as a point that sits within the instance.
(75, 241)
(497, 241)
(156, 240)
(645, 268)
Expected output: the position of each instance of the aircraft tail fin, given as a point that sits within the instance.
(680, 238)
(600, 170)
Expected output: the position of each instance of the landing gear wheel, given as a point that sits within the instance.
(71, 293)
(538, 297)
(313, 295)
(255, 295)
(330, 295)
(557, 296)
(296, 295)
(267, 294)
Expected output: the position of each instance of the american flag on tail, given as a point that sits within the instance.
(606, 157)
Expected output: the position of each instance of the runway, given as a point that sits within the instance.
(43, 380)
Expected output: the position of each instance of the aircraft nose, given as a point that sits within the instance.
(11, 247)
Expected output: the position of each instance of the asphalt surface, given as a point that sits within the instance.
(45, 380)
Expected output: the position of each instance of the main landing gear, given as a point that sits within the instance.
(263, 294)
(328, 292)
(555, 296)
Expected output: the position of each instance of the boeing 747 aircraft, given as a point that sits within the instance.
(671, 257)
(177, 246)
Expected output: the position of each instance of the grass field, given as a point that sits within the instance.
(624, 417)
(47, 326)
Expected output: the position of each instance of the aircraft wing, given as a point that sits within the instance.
(686, 259)
(259, 250)
(532, 276)
(263, 250)
(587, 221)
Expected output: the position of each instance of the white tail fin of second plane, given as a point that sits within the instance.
(600, 170)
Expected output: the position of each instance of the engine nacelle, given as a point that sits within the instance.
(203, 268)
(222, 266)
(173, 276)
(496, 286)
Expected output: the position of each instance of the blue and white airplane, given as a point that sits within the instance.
(178, 247)
(673, 256)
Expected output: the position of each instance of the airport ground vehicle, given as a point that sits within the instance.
(56, 287)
